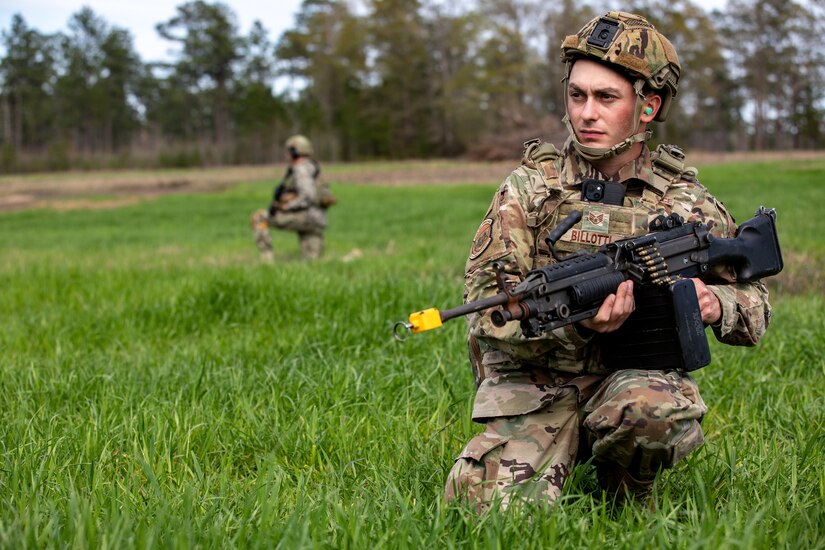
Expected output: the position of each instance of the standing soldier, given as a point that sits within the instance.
(298, 204)
(552, 401)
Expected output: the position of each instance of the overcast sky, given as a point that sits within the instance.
(141, 16)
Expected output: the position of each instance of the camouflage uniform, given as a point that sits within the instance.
(549, 402)
(299, 210)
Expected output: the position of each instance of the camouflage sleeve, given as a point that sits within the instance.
(746, 311)
(304, 187)
(504, 236)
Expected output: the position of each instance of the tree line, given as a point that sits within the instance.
(395, 79)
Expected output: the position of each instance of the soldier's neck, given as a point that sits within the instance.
(611, 166)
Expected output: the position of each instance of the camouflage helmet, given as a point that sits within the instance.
(632, 43)
(301, 145)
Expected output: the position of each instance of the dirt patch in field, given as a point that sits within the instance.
(422, 173)
(81, 204)
(73, 190)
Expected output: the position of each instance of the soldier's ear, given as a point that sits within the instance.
(652, 104)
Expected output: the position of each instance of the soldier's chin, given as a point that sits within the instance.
(594, 140)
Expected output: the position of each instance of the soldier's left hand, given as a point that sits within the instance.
(708, 303)
(615, 309)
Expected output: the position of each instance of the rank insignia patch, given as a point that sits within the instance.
(483, 238)
(596, 220)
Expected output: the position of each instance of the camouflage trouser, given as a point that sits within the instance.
(310, 234)
(642, 421)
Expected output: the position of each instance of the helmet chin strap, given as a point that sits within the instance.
(601, 153)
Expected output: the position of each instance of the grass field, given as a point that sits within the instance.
(161, 388)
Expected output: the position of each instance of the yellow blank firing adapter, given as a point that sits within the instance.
(419, 322)
(432, 318)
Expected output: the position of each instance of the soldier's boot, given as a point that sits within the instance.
(617, 480)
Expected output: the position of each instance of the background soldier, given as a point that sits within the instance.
(298, 204)
(552, 401)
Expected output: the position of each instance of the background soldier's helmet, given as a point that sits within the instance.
(300, 144)
(639, 50)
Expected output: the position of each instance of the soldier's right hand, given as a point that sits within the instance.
(615, 309)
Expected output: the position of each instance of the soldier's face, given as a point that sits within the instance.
(601, 104)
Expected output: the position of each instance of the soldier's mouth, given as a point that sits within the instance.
(590, 135)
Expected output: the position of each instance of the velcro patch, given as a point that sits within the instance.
(595, 228)
(595, 220)
(483, 238)
(589, 237)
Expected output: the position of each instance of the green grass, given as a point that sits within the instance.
(164, 389)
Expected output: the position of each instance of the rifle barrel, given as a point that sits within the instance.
(473, 307)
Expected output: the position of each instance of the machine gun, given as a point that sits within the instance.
(666, 330)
